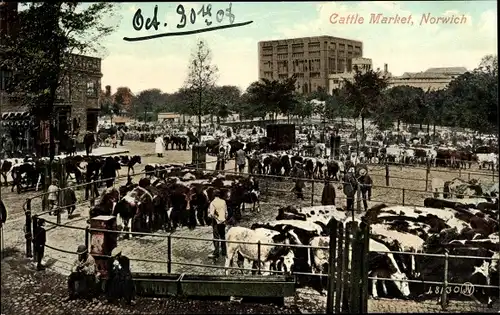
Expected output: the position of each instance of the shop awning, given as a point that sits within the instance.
(15, 115)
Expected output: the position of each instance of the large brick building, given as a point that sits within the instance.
(77, 104)
(312, 59)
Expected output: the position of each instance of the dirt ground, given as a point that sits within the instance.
(274, 194)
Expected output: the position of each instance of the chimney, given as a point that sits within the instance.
(385, 68)
(108, 91)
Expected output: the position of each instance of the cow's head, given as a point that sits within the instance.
(286, 262)
(401, 281)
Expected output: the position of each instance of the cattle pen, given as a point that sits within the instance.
(170, 245)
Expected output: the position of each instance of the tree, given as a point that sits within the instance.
(122, 100)
(222, 100)
(276, 96)
(201, 79)
(151, 100)
(401, 103)
(40, 53)
(364, 93)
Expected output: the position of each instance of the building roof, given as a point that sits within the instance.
(447, 70)
(423, 75)
(168, 115)
(120, 119)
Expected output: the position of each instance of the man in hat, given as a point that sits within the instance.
(299, 173)
(350, 187)
(240, 160)
(221, 160)
(82, 280)
(217, 211)
(39, 242)
(120, 283)
(53, 194)
(365, 183)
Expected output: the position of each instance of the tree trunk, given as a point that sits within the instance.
(428, 126)
(421, 126)
(362, 126)
(399, 122)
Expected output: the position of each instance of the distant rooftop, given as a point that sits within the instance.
(435, 73)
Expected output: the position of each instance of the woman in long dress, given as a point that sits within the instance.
(159, 146)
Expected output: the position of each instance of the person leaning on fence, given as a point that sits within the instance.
(298, 172)
(53, 192)
(328, 195)
(240, 160)
(120, 283)
(39, 242)
(82, 280)
(217, 211)
(365, 184)
(350, 187)
(221, 160)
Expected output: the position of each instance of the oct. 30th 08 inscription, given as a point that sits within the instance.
(208, 17)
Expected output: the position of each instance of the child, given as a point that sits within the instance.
(53, 191)
(113, 141)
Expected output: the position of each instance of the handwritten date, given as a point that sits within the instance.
(205, 12)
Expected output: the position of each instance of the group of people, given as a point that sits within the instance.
(351, 181)
(85, 278)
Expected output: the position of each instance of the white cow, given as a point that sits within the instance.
(268, 254)
(399, 278)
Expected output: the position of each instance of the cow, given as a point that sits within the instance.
(268, 254)
(135, 210)
(382, 264)
(106, 203)
(5, 167)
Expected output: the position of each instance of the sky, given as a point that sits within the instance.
(163, 62)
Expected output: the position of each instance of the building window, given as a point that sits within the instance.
(91, 89)
(5, 79)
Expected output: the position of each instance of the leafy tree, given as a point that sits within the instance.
(151, 100)
(401, 103)
(40, 53)
(201, 79)
(222, 99)
(276, 96)
(122, 100)
(364, 93)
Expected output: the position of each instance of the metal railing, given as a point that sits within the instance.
(445, 284)
(170, 237)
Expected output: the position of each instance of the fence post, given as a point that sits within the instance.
(92, 193)
(34, 229)
(169, 253)
(493, 172)
(312, 193)
(331, 269)
(60, 196)
(468, 176)
(403, 196)
(386, 174)
(28, 231)
(87, 238)
(427, 172)
(358, 197)
(460, 172)
(444, 298)
(258, 257)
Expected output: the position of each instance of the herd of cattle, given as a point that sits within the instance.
(173, 196)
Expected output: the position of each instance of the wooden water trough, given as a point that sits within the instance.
(207, 286)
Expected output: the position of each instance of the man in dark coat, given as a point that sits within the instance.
(350, 187)
(328, 195)
(299, 173)
(365, 184)
(221, 160)
(40, 239)
(120, 283)
(89, 141)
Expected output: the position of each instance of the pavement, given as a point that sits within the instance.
(26, 291)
